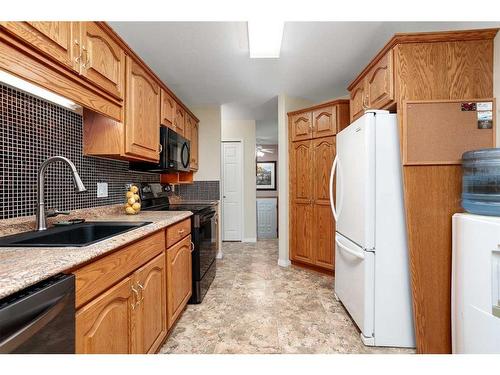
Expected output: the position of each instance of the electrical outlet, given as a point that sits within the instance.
(102, 190)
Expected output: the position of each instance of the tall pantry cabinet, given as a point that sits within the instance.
(311, 152)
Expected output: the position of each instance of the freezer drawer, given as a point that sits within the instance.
(355, 282)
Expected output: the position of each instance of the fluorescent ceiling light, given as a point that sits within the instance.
(264, 39)
(42, 93)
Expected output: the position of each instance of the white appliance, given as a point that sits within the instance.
(371, 257)
(475, 294)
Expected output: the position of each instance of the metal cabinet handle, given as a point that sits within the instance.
(136, 293)
(160, 149)
(365, 102)
(87, 58)
(192, 246)
(142, 290)
(181, 231)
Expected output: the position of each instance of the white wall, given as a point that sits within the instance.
(285, 105)
(496, 82)
(209, 135)
(245, 130)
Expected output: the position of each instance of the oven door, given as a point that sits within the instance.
(179, 153)
(205, 243)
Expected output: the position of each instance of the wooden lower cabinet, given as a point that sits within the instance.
(105, 325)
(151, 312)
(179, 274)
(323, 236)
(301, 227)
(130, 316)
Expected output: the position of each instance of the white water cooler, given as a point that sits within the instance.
(476, 284)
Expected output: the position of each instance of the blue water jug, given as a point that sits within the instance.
(481, 181)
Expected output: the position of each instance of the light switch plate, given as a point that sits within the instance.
(102, 189)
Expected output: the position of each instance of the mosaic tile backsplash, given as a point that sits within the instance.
(199, 190)
(31, 130)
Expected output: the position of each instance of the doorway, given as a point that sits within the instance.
(232, 191)
(267, 218)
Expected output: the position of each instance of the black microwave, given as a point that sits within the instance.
(175, 154)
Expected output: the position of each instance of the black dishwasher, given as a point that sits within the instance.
(40, 319)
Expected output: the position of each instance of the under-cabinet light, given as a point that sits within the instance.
(21, 84)
(264, 39)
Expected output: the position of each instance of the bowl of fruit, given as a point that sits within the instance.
(132, 200)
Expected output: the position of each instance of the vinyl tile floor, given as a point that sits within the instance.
(256, 306)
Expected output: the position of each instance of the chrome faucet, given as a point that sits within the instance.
(41, 217)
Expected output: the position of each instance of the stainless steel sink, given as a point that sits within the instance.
(77, 235)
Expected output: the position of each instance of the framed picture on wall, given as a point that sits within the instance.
(266, 175)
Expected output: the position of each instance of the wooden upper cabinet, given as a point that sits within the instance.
(168, 106)
(380, 83)
(102, 59)
(151, 324)
(324, 122)
(180, 120)
(191, 133)
(142, 119)
(301, 126)
(358, 101)
(179, 282)
(105, 324)
(54, 39)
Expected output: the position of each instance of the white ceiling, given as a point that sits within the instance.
(207, 62)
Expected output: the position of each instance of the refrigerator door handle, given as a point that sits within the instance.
(349, 251)
(332, 175)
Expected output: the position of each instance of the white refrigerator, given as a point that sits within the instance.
(371, 257)
(475, 290)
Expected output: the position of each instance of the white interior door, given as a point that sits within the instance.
(232, 191)
(267, 218)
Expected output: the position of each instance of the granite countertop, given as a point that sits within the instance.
(22, 267)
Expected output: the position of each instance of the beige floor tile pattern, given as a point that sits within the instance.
(255, 306)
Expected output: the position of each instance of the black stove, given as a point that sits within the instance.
(154, 197)
(194, 207)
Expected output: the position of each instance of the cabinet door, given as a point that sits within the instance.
(104, 325)
(151, 312)
(301, 126)
(357, 101)
(301, 187)
(179, 282)
(301, 236)
(188, 127)
(380, 83)
(168, 107)
(323, 223)
(142, 120)
(301, 171)
(102, 59)
(180, 119)
(194, 145)
(55, 39)
(325, 122)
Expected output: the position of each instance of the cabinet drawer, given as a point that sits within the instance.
(178, 231)
(97, 276)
